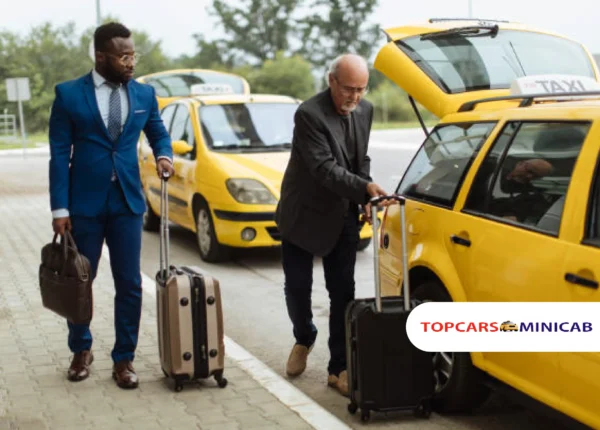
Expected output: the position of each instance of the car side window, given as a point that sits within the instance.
(525, 177)
(159, 88)
(438, 169)
(181, 127)
(167, 116)
(592, 236)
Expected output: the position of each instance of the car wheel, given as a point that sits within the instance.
(150, 221)
(363, 244)
(457, 382)
(210, 248)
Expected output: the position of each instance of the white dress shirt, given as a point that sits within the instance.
(103, 91)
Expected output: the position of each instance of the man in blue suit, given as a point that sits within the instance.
(95, 187)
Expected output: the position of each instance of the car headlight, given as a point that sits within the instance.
(250, 191)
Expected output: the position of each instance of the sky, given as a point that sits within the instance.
(175, 21)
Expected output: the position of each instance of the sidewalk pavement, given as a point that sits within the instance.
(34, 391)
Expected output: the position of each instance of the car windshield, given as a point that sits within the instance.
(459, 61)
(248, 126)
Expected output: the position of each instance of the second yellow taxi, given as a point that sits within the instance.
(230, 153)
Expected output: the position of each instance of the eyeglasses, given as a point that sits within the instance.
(125, 59)
(351, 90)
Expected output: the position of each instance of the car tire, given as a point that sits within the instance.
(363, 244)
(150, 221)
(209, 247)
(460, 389)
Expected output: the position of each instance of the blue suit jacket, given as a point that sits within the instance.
(82, 155)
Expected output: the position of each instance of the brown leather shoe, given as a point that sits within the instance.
(339, 382)
(80, 366)
(296, 363)
(124, 374)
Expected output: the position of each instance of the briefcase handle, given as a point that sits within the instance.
(405, 281)
(66, 242)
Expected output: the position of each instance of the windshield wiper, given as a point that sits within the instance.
(475, 31)
(229, 146)
(284, 145)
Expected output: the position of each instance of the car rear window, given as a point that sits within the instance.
(438, 169)
(461, 61)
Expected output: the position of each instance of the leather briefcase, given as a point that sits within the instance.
(65, 280)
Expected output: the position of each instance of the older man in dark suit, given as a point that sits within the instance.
(326, 180)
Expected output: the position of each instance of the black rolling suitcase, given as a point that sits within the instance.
(385, 371)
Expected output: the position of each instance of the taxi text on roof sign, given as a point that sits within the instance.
(204, 89)
(553, 84)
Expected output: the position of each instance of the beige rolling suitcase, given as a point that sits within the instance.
(190, 316)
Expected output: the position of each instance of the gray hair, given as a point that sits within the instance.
(335, 64)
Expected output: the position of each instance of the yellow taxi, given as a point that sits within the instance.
(503, 196)
(173, 84)
(508, 326)
(230, 153)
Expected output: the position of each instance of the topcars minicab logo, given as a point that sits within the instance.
(536, 327)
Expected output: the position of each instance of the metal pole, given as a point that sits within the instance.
(98, 18)
(21, 119)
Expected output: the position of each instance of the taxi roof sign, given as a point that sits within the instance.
(206, 89)
(553, 84)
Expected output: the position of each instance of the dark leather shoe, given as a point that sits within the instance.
(80, 366)
(124, 374)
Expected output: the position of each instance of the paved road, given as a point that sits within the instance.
(256, 318)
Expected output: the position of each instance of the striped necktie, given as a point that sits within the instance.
(114, 112)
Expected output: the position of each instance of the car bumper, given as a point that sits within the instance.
(229, 228)
(230, 225)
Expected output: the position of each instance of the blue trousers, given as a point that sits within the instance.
(122, 231)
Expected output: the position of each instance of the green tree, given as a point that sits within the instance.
(47, 56)
(391, 104)
(286, 75)
(336, 27)
(256, 28)
(209, 55)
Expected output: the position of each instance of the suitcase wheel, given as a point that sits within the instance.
(221, 381)
(423, 410)
(352, 408)
(365, 415)
(178, 386)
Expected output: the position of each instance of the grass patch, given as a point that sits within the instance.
(33, 141)
(400, 124)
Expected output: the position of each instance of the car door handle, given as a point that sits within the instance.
(579, 280)
(460, 240)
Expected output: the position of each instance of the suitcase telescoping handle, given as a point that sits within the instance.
(374, 202)
(164, 227)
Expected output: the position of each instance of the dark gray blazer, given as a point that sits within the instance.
(318, 183)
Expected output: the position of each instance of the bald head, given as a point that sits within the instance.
(348, 80)
(348, 63)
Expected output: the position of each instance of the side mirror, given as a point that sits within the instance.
(181, 147)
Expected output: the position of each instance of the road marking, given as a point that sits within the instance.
(310, 411)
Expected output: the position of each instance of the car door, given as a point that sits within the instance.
(580, 371)
(148, 163)
(507, 241)
(181, 184)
